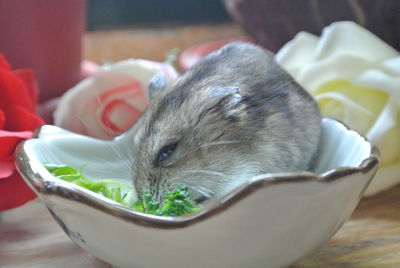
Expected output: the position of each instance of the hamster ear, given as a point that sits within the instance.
(157, 83)
(226, 98)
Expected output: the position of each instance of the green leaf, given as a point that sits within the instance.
(176, 203)
(70, 177)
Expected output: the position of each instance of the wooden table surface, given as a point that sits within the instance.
(151, 42)
(29, 237)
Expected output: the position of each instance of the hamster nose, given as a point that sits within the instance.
(153, 195)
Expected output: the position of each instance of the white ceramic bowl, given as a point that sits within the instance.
(271, 221)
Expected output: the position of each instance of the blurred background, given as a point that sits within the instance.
(103, 14)
(150, 29)
(271, 23)
(53, 37)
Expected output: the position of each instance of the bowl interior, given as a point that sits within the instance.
(340, 147)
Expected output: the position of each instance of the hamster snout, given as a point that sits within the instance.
(234, 115)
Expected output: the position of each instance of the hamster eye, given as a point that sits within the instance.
(165, 153)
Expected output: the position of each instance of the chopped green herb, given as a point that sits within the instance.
(176, 203)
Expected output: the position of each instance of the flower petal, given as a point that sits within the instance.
(355, 77)
(14, 91)
(392, 66)
(21, 119)
(350, 112)
(350, 39)
(9, 140)
(7, 168)
(4, 63)
(14, 192)
(141, 69)
(2, 120)
(118, 115)
(378, 79)
(298, 52)
(386, 120)
(385, 178)
(77, 108)
(389, 144)
(29, 80)
(317, 73)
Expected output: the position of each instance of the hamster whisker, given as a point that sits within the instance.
(177, 181)
(220, 143)
(110, 135)
(209, 172)
(203, 191)
(202, 196)
(125, 161)
(206, 189)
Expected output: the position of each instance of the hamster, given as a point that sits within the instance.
(234, 115)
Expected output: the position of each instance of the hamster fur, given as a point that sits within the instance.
(234, 115)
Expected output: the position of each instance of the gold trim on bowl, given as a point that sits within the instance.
(44, 183)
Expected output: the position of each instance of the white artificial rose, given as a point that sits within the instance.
(109, 102)
(355, 78)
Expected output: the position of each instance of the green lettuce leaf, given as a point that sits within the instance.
(176, 203)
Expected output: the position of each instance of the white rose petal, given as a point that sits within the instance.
(298, 52)
(348, 38)
(392, 66)
(355, 77)
(316, 73)
(381, 80)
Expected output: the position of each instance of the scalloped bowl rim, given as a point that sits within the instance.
(40, 180)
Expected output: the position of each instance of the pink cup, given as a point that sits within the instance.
(44, 35)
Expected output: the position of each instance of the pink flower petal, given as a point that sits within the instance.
(132, 87)
(119, 115)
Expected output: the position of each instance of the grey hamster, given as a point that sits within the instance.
(234, 115)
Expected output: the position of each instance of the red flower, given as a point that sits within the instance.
(17, 122)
